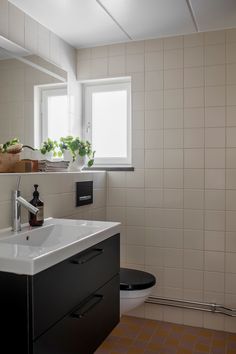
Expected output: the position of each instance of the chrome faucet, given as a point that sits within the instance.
(17, 201)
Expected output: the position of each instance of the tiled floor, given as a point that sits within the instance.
(140, 336)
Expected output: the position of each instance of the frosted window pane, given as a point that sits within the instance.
(109, 123)
(57, 116)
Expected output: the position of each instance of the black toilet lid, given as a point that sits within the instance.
(132, 279)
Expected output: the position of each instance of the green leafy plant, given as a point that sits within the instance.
(50, 145)
(77, 147)
(12, 146)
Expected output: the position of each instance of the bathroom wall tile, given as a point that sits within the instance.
(172, 238)
(116, 197)
(215, 37)
(215, 116)
(231, 74)
(231, 179)
(4, 17)
(138, 120)
(230, 221)
(231, 95)
(173, 178)
(135, 254)
(215, 54)
(214, 281)
(215, 220)
(154, 61)
(230, 280)
(231, 158)
(137, 82)
(154, 100)
(153, 45)
(173, 138)
(231, 200)
(154, 119)
(173, 42)
(99, 52)
(116, 49)
(193, 57)
(193, 117)
(135, 179)
(138, 158)
(154, 139)
(43, 41)
(193, 239)
(215, 96)
(173, 98)
(116, 65)
(153, 178)
(134, 216)
(194, 138)
(231, 52)
(173, 79)
(173, 118)
(138, 101)
(193, 279)
(153, 198)
(173, 59)
(173, 258)
(154, 80)
(214, 262)
(230, 263)
(135, 47)
(138, 139)
(173, 198)
(215, 137)
(173, 158)
(193, 158)
(134, 63)
(215, 199)
(194, 40)
(193, 97)
(154, 237)
(194, 77)
(193, 259)
(193, 199)
(99, 67)
(154, 158)
(231, 35)
(31, 33)
(135, 235)
(215, 178)
(214, 240)
(193, 219)
(116, 179)
(215, 158)
(230, 137)
(215, 75)
(173, 277)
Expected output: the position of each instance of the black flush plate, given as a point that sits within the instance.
(84, 193)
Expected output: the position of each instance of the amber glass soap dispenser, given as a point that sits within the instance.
(36, 220)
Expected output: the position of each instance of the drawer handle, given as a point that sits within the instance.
(88, 256)
(88, 306)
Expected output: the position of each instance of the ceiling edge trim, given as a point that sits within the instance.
(192, 14)
(113, 18)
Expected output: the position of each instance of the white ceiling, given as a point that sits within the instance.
(86, 23)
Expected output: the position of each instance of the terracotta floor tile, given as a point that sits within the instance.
(140, 336)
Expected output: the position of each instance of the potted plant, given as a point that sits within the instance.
(10, 154)
(79, 149)
(50, 149)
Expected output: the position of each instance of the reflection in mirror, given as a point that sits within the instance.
(23, 78)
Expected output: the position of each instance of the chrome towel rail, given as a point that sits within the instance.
(192, 305)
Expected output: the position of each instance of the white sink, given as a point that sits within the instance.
(33, 250)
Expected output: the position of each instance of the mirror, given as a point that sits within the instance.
(21, 73)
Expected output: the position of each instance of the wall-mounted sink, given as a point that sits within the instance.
(33, 250)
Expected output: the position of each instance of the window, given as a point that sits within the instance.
(54, 112)
(108, 121)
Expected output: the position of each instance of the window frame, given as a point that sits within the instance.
(102, 86)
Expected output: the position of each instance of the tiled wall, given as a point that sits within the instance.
(178, 208)
(57, 190)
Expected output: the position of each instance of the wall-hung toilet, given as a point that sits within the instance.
(135, 287)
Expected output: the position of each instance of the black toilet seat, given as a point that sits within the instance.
(132, 279)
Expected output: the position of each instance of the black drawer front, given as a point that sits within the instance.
(84, 329)
(60, 288)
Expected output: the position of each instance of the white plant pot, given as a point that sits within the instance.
(78, 164)
(67, 156)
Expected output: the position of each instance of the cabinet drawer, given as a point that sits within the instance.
(60, 288)
(93, 319)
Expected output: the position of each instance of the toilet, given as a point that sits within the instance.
(135, 287)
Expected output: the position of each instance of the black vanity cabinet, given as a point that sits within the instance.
(68, 308)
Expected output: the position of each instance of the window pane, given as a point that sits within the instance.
(109, 123)
(57, 116)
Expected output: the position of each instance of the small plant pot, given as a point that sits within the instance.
(78, 164)
(67, 156)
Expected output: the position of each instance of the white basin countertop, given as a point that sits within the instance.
(35, 249)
